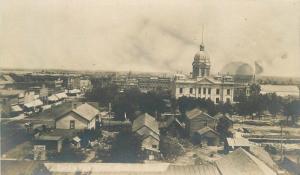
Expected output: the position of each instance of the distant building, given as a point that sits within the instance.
(196, 119)
(146, 128)
(201, 84)
(80, 83)
(146, 84)
(10, 101)
(285, 91)
(83, 116)
(5, 80)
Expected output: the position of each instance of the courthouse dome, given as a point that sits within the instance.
(202, 56)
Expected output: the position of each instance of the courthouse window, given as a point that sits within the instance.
(209, 90)
(228, 91)
(191, 90)
(180, 90)
(217, 91)
(204, 90)
(199, 91)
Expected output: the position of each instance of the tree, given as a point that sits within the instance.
(223, 128)
(170, 147)
(125, 148)
(292, 109)
(274, 104)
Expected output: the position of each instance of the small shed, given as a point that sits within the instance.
(52, 143)
(207, 136)
(76, 142)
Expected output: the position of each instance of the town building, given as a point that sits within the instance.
(5, 80)
(145, 127)
(285, 91)
(196, 119)
(146, 84)
(81, 83)
(201, 84)
(83, 116)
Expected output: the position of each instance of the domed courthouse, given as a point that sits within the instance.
(200, 84)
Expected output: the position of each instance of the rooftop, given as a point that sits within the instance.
(145, 120)
(131, 169)
(243, 163)
(86, 110)
(195, 113)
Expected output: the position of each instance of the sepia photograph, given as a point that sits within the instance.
(150, 87)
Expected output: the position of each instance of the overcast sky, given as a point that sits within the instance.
(149, 35)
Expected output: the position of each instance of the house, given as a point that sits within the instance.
(243, 163)
(231, 144)
(207, 136)
(146, 128)
(83, 116)
(196, 119)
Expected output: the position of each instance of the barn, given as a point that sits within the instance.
(196, 119)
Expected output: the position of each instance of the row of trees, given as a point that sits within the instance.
(133, 100)
(257, 103)
(130, 101)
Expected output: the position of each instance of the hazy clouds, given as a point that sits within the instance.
(149, 35)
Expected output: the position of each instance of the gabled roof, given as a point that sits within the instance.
(263, 155)
(34, 103)
(243, 163)
(145, 120)
(196, 112)
(205, 130)
(86, 111)
(61, 95)
(53, 98)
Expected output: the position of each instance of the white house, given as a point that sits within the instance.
(83, 116)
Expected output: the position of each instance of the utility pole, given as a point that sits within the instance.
(281, 142)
